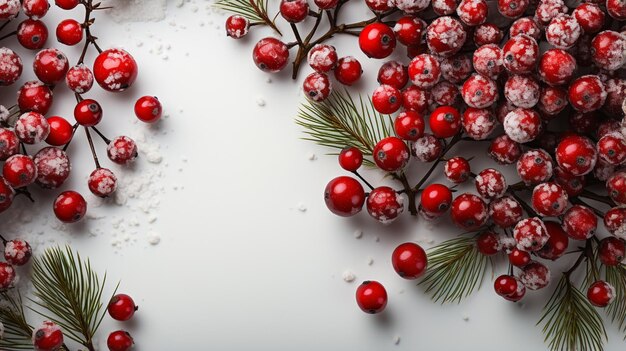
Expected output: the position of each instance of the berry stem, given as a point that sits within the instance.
(424, 179)
(105, 139)
(5, 24)
(264, 17)
(25, 192)
(93, 149)
(74, 127)
(8, 35)
(593, 196)
(363, 179)
(410, 192)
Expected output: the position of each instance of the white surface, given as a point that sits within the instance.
(239, 266)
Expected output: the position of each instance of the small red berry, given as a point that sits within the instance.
(7, 275)
(587, 93)
(530, 234)
(148, 109)
(601, 293)
(614, 221)
(563, 31)
(490, 184)
(424, 71)
(377, 40)
(457, 169)
(384, 204)
(322, 58)
(237, 26)
(48, 337)
(519, 258)
(479, 123)
(611, 251)
(579, 222)
(115, 70)
(520, 54)
(371, 297)
(386, 99)
(19, 171)
(88, 113)
(505, 150)
(505, 211)
(522, 91)
(486, 33)
(612, 148)
(294, 11)
(469, 211)
(557, 243)
(70, 207)
(472, 12)
(576, 155)
(61, 131)
(10, 67)
(409, 260)
(409, 125)
(53, 167)
(32, 34)
(436, 199)
(17, 252)
(9, 9)
(519, 293)
(427, 148)
(445, 36)
(121, 307)
(525, 25)
(67, 4)
(549, 199)
(120, 341)
(9, 143)
(391, 154)
(344, 196)
(35, 8)
(505, 285)
(416, 99)
(122, 150)
(102, 182)
(350, 158)
(445, 122)
(535, 166)
(34, 96)
(456, 69)
(487, 60)
(79, 79)
(590, 17)
(408, 30)
(535, 276)
(616, 187)
(488, 243)
(6, 195)
(608, 50)
(412, 7)
(326, 4)
(393, 73)
(69, 32)
(479, 91)
(512, 8)
(50, 66)
(523, 125)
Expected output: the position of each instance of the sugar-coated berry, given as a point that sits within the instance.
(490, 184)
(344, 196)
(148, 109)
(552, 100)
(576, 155)
(427, 148)
(411, 7)
(563, 31)
(19, 171)
(326, 4)
(7, 275)
(457, 169)
(456, 69)
(32, 34)
(549, 9)
(409, 260)
(535, 166)
(50, 66)
(611, 251)
(469, 211)
(348, 70)
(479, 91)
(391, 154)
(557, 243)
(6, 195)
(393, 73)
(487, 33)
(35, 8)
(377, 40)
(10, 66)
(445, 36)
(587, 93)
(408, 30)
(69, 32)
(48, 337)
(322, 58)
(61, 131)
(522, 125)
(601, 293)
(436, 199)
(294, 11)
(350, 158)
(409, 125)
(9, 143)
(478, 124)
(608, 50)
(70, 207)
(520, 54)
(504, 150)
(53, 167)
(525, 25)
(616, 187)
(522, 91)
(121, 307)
(415, 99)
(590, 17)
(505, 211)
(371, 297)
(612, 148)
(530, 234)
(488, 243)
(614, 221)
(472, 12)
(34, 96)
(487, 60)
(379, 6)
(580, 222)
(79, 79)
(17, 252)
(237, 26)
(549, 199)
(9, 9)
(512, 8)
(384, 204)
(120, 340)
(616, 9)
(115, 70)
(535, 276)
(386, 99)
(102, 182)
(88, 113)
(424, 71)
(122, 150)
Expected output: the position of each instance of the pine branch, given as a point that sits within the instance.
(71, 291)
(253, 10)
(571, 323)
(456, 269)
(17, 331)
(341, 121)
(616, 276)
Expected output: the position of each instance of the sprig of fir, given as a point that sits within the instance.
(17, 331)
(616, 276)
(253, 10)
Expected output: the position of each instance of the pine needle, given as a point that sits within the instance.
(571, 323)
(253, 10)
(616, 276)
(455, 270)
(341, 121)
(17, 331)
(71, 291)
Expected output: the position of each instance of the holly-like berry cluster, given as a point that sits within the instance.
(27, 122)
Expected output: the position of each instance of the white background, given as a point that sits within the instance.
(249, 258)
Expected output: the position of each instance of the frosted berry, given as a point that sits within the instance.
(19, 171)
(409, 260)
(409, 30)
(6, 195)
(525, 25)
(519, 293)
(445, 36)
(393, 73)
(522, 125)
(10, 67)
(587, 93)
(535, 166)
(512, 8)
(505, 285)
(535, 276)
(490, 184)
(505, 211)
(35, 8)
(237, 26)
(122, 150)
(424, 71)
(616, 9)
(612, 148)
(549, 9)
(487, 33)
(457, 169)
(445, 93)
(472, 12)
(386, 99)
(17, 252)
(34, 96)
(32, 34)
(50, 66)
(322, 58)
(522, 91)
(120, 340)
(616, 187)
(444, 7)
(379, 6)
(563, 31)
(317, 87)
(67, 4)
(552, 100)
(487, 60)
(531, 234)
(614, 221)
(9, 143)
(469, 211)
(294, 11)
(79, 79)
(371, 297)
(48, 337)
(348, 70)
(70, 207)
(488, 243)
(549, 199)
(479, 91)
(53, 167)
(504, 150)
(608, 50)
(9, 9)
(411, 7)
(61, 131)
(427, 148)
(377, 40)
(350, 158)
(520, 54)
(615, 96)
(121, 307)
(436, 199)
(102, 182)
(576, 154)
(478, 123)
(611, 251)
(579, 222)
(456, 69)
(445, 122)
(519, 258)
(590, 17)
(115, 70)
(415, 99)
(384, 204)
(409, 125)
(391, 154)
(344, 196)
(601, 293)
(69, 32)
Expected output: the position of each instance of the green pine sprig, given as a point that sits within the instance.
(571, 323)
(71, 292)
(616, 276)
(342, 121)
(254, 10)
(17, 331)
(455, 269)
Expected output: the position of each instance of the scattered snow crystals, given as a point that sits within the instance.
(260, 101)
(138, 10)
(396, 340)
(348, 276)
(358, 234)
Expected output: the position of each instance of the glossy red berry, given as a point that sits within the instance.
(608, 50)
(557, 243)
(590, 17)
(488, 243)
(391, 154)
(377, 40)
(115, 70)
(386, 99)
(237, 26)
(6, 195)
(535, 166)
(35, 8)
(50, 66)
(69, 32)
(17, 252)
(479, 91)
(294, 11)
(102, 182)
(518, 294)
(487, 60)
(70, 207)
(445, 36)
(580, 222)
(67, 4)
(10, 67)
(587, 93)
(371, 297)
(611, 251)
(505, 285)
(469, 211)
(9, 143)
(436, 199)
(512, 8)
(519, 258)
(576, 155)
(552, 100)
(393, 73)
(505, 150)
(520, 54)
(409, 260)
(616, 187)
(445, 122)
(348, 70)
(88, 113)
(457, 170)
(48, 337)
(505, 211)
(79, 79)
(122, 150)
(424, 71)
(549, 199)
(408, 30)
(326, 4)
(612, 148)
(601, 293)
(32, 34)
(384, 204)
(148, 109)
(322, 58)
(350, 158)
(409, 125)
(344, 196)
(120, 340)
(121, 307)
(523, 125)
(530, 234)
(472, 12)
(614, 221)
(535, 276)
(61, 131)
(34, 96)
(19, 171)
(53, 167)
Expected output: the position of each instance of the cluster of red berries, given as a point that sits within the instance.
(25, 123)
(49, 336)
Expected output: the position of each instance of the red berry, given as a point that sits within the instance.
(102, 182)
(579, 222)
(294, 11)
(79, 79)
(9, 9)
(69, 32)
(61, 131)
(490, 184)
(322, 58)
(415, 99)
(444, 7)
(48, 337)
(34, 96)
(616, 9)
(379, 6)
(409, 125)
(512, 8)
(391, 154)
(115, 70)
(478, 123)
(17, 252)
(50, 66)
(88, 113)
(576, 155)
(412, 7)
(601, 293)
(350, 158)
(519, 293)
(427, 148)
(445, 36)
(479, 91)
(67, 4)
(6, 195)
(488, 243)
(53, 167)
(32, 34)
(504, 150)
(549, 9)
(557, 243)
(616, 187)
(472, 12)
(237, 26)
(445, 93)
(456, 69)
(611, 251)
(445, 122)
(523, 125)
(530, 234)
(408, 30)
(590, 17)
(377, 40)
(70, 207)
(525, 25)
(469, 212)
(7, 275)
(457, 170)
(587, 93)
(371, 297)
(519, 258)
(615, 95)
(19, 171)
(505, 285)
(520, 54)
(487, 60)
(612, 148)
(436, 199)
(122, 150)
(563, 31)
(505, 211)
(120, 341)
(424, 71)
(393, 73)
(344, 196)
(35, 8)
(614, 221)
(317, 87)
(348, 70)
(326, 4)
(384, 204)
(10, 67)
(552, 100)
(9, 143)
(486, 33)
(148, 109)
(549, 199)
(535, 166)
(121, 307)
(409, 260)
(535, 276)
(607, 50)
(522, 91)
(386, 99)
